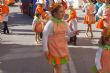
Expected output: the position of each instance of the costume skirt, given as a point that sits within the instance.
(89, 19)
(57, 60)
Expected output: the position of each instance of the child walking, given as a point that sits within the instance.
(54, 38)
(89, 18)
(37, 25)
(5, 18)
(73, 24)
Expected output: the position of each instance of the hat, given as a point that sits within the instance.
(53, 6)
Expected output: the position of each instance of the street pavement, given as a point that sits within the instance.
(19, 53)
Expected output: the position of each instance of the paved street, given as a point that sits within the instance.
(19, 54)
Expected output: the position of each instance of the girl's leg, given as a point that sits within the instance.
(36, 37)
(74, 40)
(91, 31)
(57, 69)
(87, 30)
(39, 38)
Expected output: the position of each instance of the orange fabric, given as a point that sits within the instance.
(39, 27)
(57, 60)
(40, 10)
(64, 4)
(1, 18)
(6, 9)
(56, 41)
(100, 24)
(7, 2)
(1, 9)
(72, 15)
(50, 58)
(105, 61)
(89, 19)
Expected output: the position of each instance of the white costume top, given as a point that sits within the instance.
(100, 10)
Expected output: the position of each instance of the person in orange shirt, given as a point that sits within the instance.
(5, 18)
(39, 9)
(73, 23)
(1, 12)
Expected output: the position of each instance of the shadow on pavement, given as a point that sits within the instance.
(16, 19)
(23, 59)
(83, 59)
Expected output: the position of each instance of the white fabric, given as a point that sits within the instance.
(34, 22)
(74, 24)
(100, 10)
(48, 30)
(98, 59)
(84, 9)
(5, 17)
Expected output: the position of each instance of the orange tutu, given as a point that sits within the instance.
(57, 60)
(89, 19)
(39, 27)
(105, 60)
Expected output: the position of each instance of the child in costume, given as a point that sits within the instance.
(89, 18)
(73, 23)
(54, 38)
(102, 58)
(5, 18)
(37, 27)
(40, 10)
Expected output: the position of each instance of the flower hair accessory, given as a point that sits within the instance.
(53, 6)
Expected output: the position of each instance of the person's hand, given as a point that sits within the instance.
(102, 17)
(46, 54)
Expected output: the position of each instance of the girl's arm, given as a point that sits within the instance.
(46, 32)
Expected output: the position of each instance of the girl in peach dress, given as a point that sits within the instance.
(89, 18)
(54, 38)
